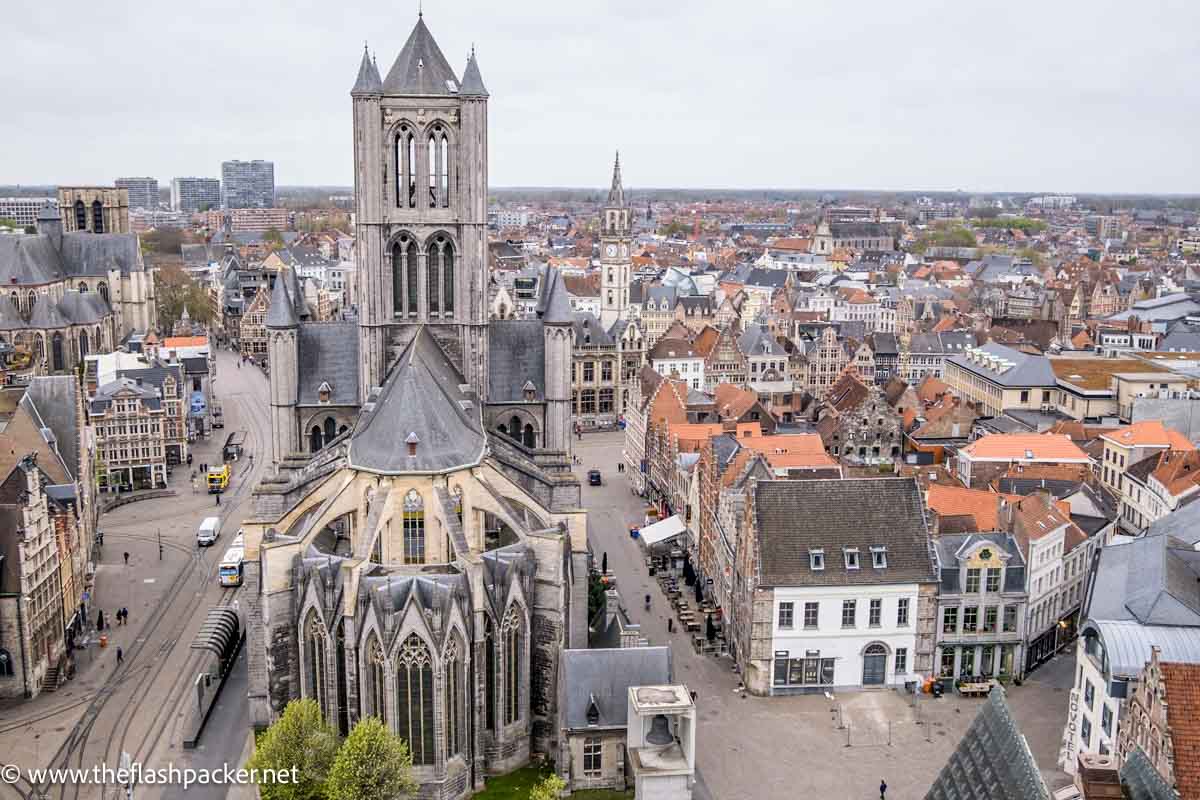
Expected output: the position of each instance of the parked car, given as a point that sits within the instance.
(594, 477)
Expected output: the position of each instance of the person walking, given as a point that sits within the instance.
(127, 558)
(120, 657)
(100, 620)
(218, 496)
(124, 615)
(882, 790)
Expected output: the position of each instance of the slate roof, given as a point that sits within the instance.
(28, 260)
(795, 517)
(952, 546)
(1153, 580)
(758, 341)
(420, 68)
(96, 253)
(516, 354)
(104, 394)
(1028, 370)
(328, 353)
(368, 81)
(56, 400)
(281, 313)
(554, 304)
(992, 761)
(10, 318)
(602, 677)
(1141, 781)
(47, 315)
(424, 395)
(83, 308)
(589, 331)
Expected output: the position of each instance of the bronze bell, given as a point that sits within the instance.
(660, 731)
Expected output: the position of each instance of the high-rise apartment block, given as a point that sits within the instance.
(195, 194)
(24, 210)
(248, 184)
(143, 192)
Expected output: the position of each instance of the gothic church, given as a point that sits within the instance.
(419, 553)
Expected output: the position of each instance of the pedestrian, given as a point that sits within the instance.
(694, 696)
(127, 558)
(882, 790)
(193, 485)
(670, 624)
(124, 615)
(100, 620)
(120, 657)
(218, 496)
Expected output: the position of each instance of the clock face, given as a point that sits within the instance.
(612, 250)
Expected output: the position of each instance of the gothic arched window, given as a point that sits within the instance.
(406, 186)
(330, 429)
(447, 276)
(58, 362)
(83, 345)
(414, 699)
(373, 689)
(315, 678)
(513, 656)
(32, 298)
(80, 216)
(314, 439)
(97, 217)
(414, 528)
(514, 428)
(444, 172)
(489, 674)
(82, 287)
(433, 283)
(453, 686)
(530, 438)
(102, 288)
(404, 276)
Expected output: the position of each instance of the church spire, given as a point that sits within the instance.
(368, 81)
(472, 82)
(616, 195)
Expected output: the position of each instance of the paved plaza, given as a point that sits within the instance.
(779, 748)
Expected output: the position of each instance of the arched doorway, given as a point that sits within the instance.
(314, 439)
(874, 665)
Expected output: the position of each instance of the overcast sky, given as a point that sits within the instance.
(1055, 95)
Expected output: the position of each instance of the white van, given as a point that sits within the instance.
(208, 531)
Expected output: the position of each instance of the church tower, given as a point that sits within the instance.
(615, 263)
(420, 181)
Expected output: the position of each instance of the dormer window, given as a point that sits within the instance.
(879, 557)
(324, 392)
(816, 560)
(851, 554)
(530, 391)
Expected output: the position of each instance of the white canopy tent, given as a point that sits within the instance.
(661, 531)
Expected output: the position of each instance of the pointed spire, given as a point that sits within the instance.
(368, 81)
(421, 69)
(616, 195)
(472, 82)
(281, 313)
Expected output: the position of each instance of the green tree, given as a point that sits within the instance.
(167, 241)
(273, 238)
(5, 222)
(300, 739)
(549, 788)
(176, 290)
(372, 764)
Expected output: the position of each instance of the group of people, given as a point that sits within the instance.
(122, 617)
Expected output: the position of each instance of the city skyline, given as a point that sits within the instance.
(888, 100)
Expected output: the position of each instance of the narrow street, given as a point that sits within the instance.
(776, 748)
(137, 707)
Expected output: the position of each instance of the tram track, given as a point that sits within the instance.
(98, 727)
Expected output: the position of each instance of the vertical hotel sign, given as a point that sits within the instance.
(1069, 752)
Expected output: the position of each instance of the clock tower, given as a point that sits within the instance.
(615, 262)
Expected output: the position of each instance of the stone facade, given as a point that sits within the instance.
(95, 209)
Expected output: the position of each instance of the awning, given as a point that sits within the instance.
(661, 531)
